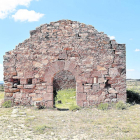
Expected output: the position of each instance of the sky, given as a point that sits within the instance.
(119, 19)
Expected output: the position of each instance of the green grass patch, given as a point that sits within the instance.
(7, 104)
(1, 95)
(120, 105)
(39, 129)
(74, 108)
(65, 98)
(103, 106)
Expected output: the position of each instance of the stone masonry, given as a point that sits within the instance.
(97, 63)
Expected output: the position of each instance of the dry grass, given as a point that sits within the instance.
(87, 123)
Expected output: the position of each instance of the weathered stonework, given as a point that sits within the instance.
(96, 62)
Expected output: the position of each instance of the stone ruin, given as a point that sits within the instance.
(96, 65)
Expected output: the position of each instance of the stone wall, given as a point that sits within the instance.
(96, 62)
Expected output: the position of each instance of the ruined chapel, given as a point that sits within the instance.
(95, 63)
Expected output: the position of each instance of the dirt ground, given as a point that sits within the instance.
(24, 123)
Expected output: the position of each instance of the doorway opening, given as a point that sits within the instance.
(64, 89)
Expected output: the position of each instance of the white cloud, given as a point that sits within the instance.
(131, 39)
(1, 72)
(130, 70)
(8, 6)
(111, 37)
(137, 50)
(24, 14)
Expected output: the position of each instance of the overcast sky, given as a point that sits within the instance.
(119, 19)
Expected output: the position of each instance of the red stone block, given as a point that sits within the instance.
(99, 92)
(9, 84)
(54, 68)
(62, 56)
(40, 91)
(121, 97)
(113, 81)
(49, 104)
(90, 80)
(48, 96)
(23, 81)
(17, 95)
(13, 73)
(35, 81)
(95, 87)
(76, 72)
(104, 72)
(79, 87)
(101, 68)
(67, 64)
(92, 97)
(49, 81)
(23, 95)
(49, 89)
(102, 86)
(72, 66)
(80, 103)
(29, 86)
(37, 99)
(60, 65)
(27, 90)
(68, 49)
(86, 104)
(11, 90)
(96, 73)
(87, 87)
(81, 96)
(20, 86)
(113, 72)
(32, 95)
(28, 74)
(8, 94)
(101, 98)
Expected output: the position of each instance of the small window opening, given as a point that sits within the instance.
(107, 85)
(91, 86)
(60, 59)
(95, 80)
(29, 81)
(16, 82)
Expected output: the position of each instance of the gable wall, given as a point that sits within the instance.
(66, 45)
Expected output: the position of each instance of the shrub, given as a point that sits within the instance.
(7, 104)
(120, 105)
(103, 106)
(74, 108)
(40, 107)
(133, 97)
